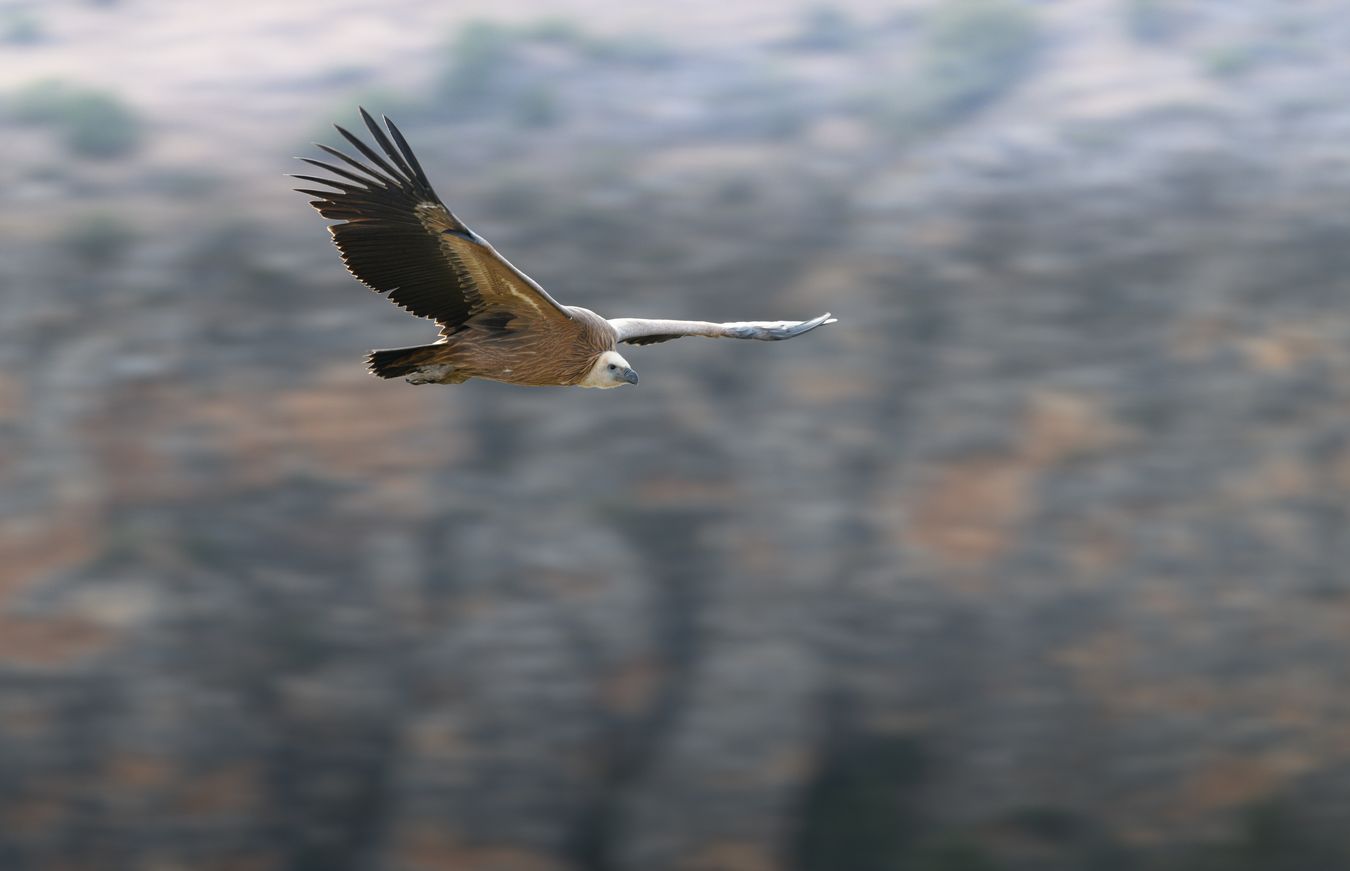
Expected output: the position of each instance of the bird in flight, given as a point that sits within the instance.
(497, 323)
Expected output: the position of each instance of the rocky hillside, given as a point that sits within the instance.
(1035, 560)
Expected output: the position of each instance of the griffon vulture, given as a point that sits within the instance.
(398, 238)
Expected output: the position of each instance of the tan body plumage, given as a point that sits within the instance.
(518, 351)
(398, 238)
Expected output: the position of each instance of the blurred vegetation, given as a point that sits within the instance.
(825, 28)
(765, 102)
(479, 58)
(98, 241)
(865, 811)
(489, 64)
(1154, 20)
(554, 29)
(859, 810)
(21, 27)
(537, 106)
(92, 123)
(638, 49)
(1269, 837)
(227, 257)
(951, 853)
(183, 183)
(970, 53)
(633, 49)
(1232, 60)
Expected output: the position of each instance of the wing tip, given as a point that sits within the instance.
(808, 326)
(369, 118)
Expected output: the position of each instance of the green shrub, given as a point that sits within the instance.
(184, 184)
(1154, 20)
(98, 241)
(969, 53)
(21, 27)
(764, 102)
(480, 57)
(825, 28)
(1270, 836)
(633, 49)
(952, 852)
(38, 103)
(488, 61)
(506, 71)
(972, 51)
(1231, 61)
(92, 123)
(536, 107)
(858, 812)
(555, 30)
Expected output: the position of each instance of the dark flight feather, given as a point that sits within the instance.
(407, 152)
(384, 235)
(353, 162)
(395, 235)
(369, 153)
(652, 340)
(389, 149)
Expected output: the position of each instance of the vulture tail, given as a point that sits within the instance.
(402, 362)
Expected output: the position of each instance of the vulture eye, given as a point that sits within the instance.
(612, 367)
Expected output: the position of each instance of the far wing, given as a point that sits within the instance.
(399, 239)
(648, 331)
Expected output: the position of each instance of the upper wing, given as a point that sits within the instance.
(398, 238)
(647, 331)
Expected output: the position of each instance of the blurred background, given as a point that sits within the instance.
(1036, 560)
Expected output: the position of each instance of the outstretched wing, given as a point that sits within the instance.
(648, 331)
(399, 239)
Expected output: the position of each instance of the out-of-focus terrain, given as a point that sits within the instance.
(1037, 559)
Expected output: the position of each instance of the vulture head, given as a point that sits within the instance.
(610, 370)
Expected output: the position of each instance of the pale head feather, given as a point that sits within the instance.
(602, 376)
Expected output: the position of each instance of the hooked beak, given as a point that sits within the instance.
(630, 376)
